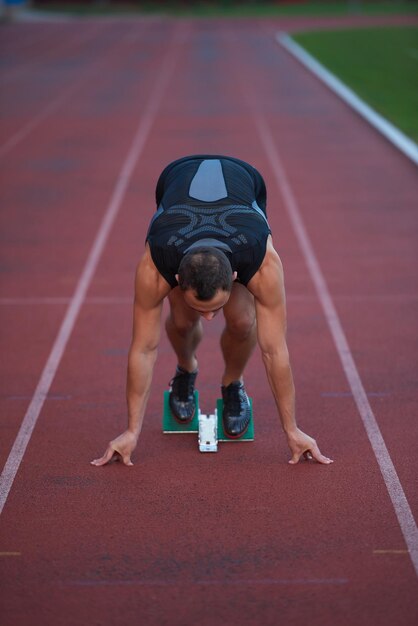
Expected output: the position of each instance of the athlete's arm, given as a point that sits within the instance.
(150, 290)
(267, 286)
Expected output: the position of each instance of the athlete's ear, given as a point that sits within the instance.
(177, 278)
(234, 275)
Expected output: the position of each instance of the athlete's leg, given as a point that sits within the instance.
(240, 334)
(184, 330)
(237, 342)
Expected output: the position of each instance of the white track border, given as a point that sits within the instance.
(393, 485)
(408, 147)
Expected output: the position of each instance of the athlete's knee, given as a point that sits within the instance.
(242, 325)
(182, 325)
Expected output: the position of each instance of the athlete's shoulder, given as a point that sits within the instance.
(269, 275)
(150, 286)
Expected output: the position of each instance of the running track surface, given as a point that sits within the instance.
(184, 538)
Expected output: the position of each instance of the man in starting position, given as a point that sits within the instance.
(209, 248)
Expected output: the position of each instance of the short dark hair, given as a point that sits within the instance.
(205, 270)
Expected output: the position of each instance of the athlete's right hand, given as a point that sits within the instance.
(120, 449)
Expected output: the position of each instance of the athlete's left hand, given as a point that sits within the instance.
(301, 444)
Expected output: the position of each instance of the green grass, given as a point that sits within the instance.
(232, 8)
(379, 64)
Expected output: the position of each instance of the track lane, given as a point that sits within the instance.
(46, 182)
(73, 257)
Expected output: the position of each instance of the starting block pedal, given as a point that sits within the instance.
(171, 425)
(208, 426)
(247, 436)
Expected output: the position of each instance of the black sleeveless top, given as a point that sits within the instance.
(209, 201)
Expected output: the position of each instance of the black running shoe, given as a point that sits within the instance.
(181, 398)
(236, 413)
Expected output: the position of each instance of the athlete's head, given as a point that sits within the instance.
(205, 271)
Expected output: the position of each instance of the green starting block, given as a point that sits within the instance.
(248, 435)
(172, 426)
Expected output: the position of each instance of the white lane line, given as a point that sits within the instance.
(393, 134)
(222, 582)
(393, 485)
(147, 120)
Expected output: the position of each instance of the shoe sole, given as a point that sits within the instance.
(183, 421)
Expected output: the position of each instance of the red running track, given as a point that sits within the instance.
(182, 538)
